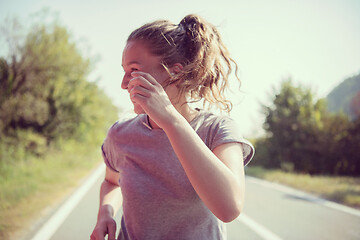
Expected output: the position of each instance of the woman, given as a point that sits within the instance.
(180, 170)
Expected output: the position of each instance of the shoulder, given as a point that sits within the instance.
(119, 133)
(216, 129)
(123, 126)
(210, 121)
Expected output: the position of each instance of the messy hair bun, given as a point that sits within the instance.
(198, 46)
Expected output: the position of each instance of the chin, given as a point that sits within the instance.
(138, 109)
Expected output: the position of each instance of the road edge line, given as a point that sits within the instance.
(55, 221)
(310, 197)
(258, 228)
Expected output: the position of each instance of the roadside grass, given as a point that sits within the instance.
(344, 190)
(30, 187)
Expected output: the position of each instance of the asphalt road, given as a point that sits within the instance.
(272, 212)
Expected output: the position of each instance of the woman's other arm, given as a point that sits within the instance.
(110, 202)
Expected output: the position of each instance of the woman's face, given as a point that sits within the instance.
(137, 58)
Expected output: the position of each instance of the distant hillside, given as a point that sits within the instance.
(339, 99)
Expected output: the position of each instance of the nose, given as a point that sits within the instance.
(125, 82)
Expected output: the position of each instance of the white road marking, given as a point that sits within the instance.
(304, 195)
(50, 227)
(258, 228)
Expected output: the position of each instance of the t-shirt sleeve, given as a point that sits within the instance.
(226, 130)
(108, 163)
(107, 150)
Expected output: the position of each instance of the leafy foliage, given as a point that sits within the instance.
(45, 96)
(303, 136)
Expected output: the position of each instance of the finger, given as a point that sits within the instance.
(147, 76)
(92, 236)
(111, 231)
(138, 90)
(97, 236)
(139, 99)
(140, 81)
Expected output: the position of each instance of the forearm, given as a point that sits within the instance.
(219, 188)
(110, 199)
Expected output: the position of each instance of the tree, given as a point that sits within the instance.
(302, 135)
(348, 161)
(292, 125)
(44, 89)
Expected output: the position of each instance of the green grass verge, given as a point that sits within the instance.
(30, 186)
(344, 190)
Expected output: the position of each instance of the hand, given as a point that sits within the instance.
(104, 226)
(150, 95)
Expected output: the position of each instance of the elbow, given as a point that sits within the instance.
(229, 217)
(231, 213)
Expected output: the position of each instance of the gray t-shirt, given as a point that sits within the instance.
(159, 201)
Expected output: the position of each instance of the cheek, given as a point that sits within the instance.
(162, 77)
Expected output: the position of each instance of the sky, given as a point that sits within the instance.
(314, 42)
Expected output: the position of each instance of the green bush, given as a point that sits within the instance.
(302, 136)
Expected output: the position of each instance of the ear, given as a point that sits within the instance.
(176, 68)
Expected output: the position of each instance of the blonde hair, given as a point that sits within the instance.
(197, 45)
